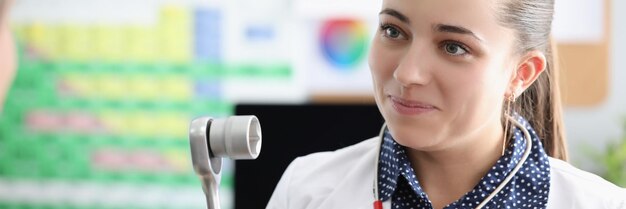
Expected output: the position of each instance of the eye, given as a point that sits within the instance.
(455, 49)
(391, 31)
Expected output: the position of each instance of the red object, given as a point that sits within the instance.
(378, 204)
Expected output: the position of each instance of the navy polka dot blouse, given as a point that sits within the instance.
(529, 188)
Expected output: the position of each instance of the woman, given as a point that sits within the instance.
(7, 53)
(469, 93)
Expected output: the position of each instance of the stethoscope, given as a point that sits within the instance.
(378, 203)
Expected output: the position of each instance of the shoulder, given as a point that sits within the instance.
(574, 188)
(563, 172)
(345, 156)
(334, 164)
(323, 179)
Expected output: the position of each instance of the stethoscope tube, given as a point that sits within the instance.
(378, 203)
(527, 151)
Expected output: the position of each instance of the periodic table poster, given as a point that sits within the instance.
(98, 114)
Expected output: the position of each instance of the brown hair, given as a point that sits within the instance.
(540, 104)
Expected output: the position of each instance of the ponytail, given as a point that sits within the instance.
(540, 104)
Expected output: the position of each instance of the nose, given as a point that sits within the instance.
(413, 67)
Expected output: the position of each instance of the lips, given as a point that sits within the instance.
(410, 107)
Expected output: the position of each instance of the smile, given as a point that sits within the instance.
(408, 107)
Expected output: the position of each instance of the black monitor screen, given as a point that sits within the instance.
(290, 131)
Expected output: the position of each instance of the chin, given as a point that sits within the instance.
(415, 137)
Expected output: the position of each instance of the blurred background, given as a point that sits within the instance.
(98, 114)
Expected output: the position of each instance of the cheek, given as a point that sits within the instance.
(474, 86)
(382, 63)
(475, 94)
(375, 62)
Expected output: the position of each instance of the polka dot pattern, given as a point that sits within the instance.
(529, 188)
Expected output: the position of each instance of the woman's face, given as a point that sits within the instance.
(7, 53)
(440, 70)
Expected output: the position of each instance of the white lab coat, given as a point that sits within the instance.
(344, 179)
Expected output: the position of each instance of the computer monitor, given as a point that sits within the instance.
(290, 131)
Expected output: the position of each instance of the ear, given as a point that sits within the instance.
(527, 71)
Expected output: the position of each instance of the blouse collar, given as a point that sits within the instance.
(529, 187)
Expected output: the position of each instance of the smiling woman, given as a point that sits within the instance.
(7, 53)
(473, 118)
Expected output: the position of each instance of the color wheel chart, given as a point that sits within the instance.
(343, 42)
(333, 43)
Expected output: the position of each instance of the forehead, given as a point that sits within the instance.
(480, 16)
(446, 9)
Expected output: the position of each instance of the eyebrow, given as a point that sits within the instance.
(455, 29)
(438, 27)
(396, 14)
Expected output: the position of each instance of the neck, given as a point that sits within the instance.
(446, 175)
